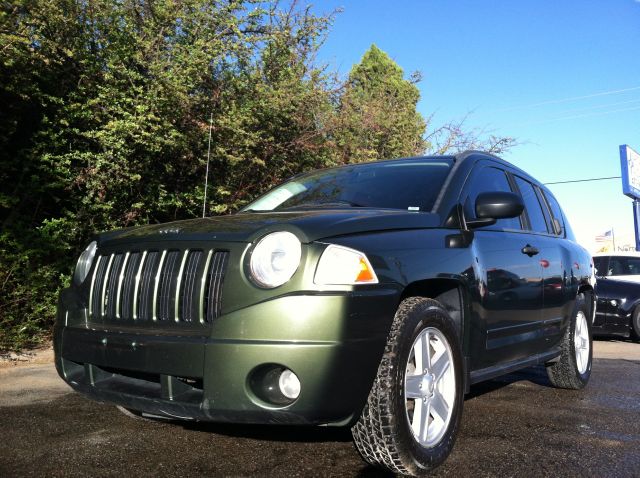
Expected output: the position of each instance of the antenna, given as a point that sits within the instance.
(206, 176)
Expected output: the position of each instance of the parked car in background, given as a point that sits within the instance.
(618, 308)
(370, 296)
(621, 265)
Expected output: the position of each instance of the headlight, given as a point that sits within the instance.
(84, 263)
(275, 259)
(340, 265)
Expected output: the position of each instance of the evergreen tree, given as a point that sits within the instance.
(377, 114)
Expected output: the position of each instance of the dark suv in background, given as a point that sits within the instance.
(618, 291)
(370, 296)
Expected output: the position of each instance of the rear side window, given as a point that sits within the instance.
(489, 180)
(633, 265)
(620, 266)
(532, 206)
(556, 214)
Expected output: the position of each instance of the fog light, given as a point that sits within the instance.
(289, 384)
(273, 384)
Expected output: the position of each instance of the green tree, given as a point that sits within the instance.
(277, 116)
(106, 124)
(377, 113)
(107, 107)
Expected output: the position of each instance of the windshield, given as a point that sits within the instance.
(408, 184)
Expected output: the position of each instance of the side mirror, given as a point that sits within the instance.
(492, 206)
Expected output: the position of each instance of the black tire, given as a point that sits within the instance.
(565, 373)
(383, 434)
(635, 324)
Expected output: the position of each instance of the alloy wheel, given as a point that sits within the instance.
(429, 387)
(581, 342)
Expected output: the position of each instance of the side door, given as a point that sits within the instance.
(615, 302)
(509, 308)
(556, 269)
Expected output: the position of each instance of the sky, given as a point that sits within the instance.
(563, 77)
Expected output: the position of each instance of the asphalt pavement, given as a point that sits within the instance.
(517, 425)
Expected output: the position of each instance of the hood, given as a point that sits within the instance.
(307, 225)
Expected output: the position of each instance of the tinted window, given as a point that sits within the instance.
(532, 206)
(619, 266)
(410, 185)
(556, 212)
(600, 264)
(633, 265)
(489, 180)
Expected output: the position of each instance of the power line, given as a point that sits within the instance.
(584, 115)
(599, 107)
(568, 99)
(583, 180)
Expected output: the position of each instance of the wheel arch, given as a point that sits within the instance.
(590, 296)
(449, 292)
(453, 296)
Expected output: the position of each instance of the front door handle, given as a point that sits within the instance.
(530, 250)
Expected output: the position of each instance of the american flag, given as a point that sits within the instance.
(605, 237)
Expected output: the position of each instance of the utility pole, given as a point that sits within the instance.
(630, 167)
(636, 217)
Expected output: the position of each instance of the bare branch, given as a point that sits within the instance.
(453, 137)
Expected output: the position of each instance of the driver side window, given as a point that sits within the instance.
(489, 179)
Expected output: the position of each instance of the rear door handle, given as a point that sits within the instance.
(530, 250)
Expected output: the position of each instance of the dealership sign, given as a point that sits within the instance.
(630, 163)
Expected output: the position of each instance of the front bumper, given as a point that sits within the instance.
(333, 342)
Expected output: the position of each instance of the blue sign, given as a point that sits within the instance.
(630, 165)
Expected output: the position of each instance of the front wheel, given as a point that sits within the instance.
(573, 368)
(413, 411)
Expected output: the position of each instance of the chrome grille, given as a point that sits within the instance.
(168, 286)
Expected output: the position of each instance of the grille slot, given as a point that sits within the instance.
(167, 286)
(97, 282)
(128, 284)
(111, 288)
(215, 280)
(146, 286)
(189, 292)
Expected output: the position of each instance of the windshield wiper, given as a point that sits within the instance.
(330, 204)
(255, 210)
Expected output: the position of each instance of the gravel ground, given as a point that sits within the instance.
(517, 425)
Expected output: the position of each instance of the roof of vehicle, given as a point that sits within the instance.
(457, 157)
(621, 253)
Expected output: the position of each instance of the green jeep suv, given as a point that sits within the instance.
(370, 296)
